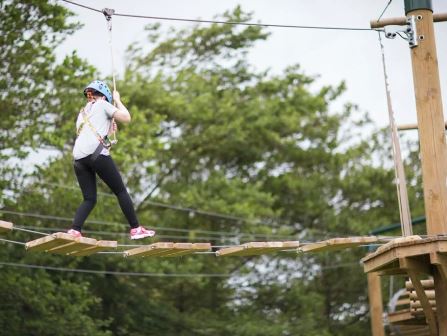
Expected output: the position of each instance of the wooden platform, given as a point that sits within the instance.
(167, 249)
(5, 226)
(257, 248)
(338, 243)
(63, 243)
(415, 257)
(389, 257)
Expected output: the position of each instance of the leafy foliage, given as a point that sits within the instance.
(210, 133)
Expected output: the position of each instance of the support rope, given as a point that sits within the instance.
(108, 15)
(401, 183)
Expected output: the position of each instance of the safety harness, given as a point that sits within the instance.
(104, 142)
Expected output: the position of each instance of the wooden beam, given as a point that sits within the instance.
(257, 248)
(440, 261)
(427, 284)
(5, 226)
(429, 292)
(375, 304)
(338, 244)
(413, 269)
(440, 284)
(441, 298)
(401, 21)
(407, 127)
(101, 245)
(404, 316)
(167, 249)
(418, 304)
(416, 264)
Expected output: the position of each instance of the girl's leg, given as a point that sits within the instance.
(87, 181)
(108, 172)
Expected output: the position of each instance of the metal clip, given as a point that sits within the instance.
(409, 30)
(108, 12)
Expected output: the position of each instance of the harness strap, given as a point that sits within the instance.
(103, 140)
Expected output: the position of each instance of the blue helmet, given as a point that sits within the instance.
(101, 87)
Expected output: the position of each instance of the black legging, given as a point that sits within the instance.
(105, 167)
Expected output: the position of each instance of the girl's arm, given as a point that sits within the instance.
(122, 114)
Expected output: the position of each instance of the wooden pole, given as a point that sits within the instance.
(375, 304)
(430, 120)
(432, 137)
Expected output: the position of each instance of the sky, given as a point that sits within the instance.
(334, 56)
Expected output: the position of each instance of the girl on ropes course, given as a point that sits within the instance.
(92, 156)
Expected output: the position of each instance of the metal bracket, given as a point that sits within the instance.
(108, 12)
(409, 30)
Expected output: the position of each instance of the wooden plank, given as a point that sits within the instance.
(401, 241)
(48, 242)
(180, 251)
(167, 249)
(257, 248)
(338, 244)
(101, 245)
(65, 244)
(78, 245)
(149, 250)
(5, 226)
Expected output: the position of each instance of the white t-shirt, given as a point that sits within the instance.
(100, 114)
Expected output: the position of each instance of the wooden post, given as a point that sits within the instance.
(430, 117)
(375, 304)
(431, 134)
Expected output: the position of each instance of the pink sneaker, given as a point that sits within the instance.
(140, 232)
(74, 233)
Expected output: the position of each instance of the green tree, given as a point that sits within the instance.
(210, 132)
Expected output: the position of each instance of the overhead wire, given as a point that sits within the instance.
(384, 10)
(116, 273)
(144, 274)
(164, 18)
(12, 241)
